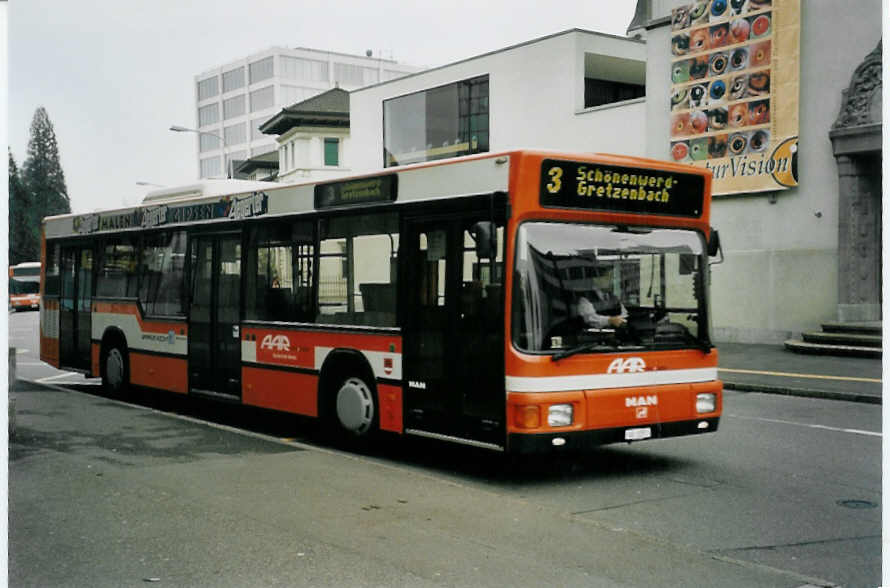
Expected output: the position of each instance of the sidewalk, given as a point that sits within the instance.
(775, 370)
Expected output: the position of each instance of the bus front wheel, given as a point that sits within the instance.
(356, 406)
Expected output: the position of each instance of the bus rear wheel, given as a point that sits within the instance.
(115, 370)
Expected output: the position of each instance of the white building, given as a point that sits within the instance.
(576, 90)
(234, 99)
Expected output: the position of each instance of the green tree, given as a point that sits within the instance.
(24, 236)
(42, 171)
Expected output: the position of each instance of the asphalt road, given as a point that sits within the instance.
(182, 493)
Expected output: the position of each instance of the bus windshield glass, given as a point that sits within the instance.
(23, 286)
(588, 288)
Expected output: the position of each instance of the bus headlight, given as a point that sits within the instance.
(705, 402)
(559, 415)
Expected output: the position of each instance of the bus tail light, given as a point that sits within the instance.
(528, 416)
(705, 403)
(560, 415)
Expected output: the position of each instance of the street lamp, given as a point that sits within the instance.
(150, 184)
(179, 129)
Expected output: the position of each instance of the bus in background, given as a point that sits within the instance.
(24, 286)
(522, 301)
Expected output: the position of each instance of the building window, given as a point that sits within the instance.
(208, 142)
(262, 70)
(234, 79)
(262, 99)
(255, 132)
(208, 88)
(210, 167)
(331, 151)
(598, 92)
(233, 107)
(442, 122)
(207, 115)
(310, 70)
(235, 134)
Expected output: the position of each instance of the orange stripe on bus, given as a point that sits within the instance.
(156, 371)
(390, 400)
(521, 365)
(280, 390)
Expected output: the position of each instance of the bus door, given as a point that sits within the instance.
(75, 306)
(453, 335)
(214, 314)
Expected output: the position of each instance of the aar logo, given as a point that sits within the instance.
(628, 365)
(275, 343)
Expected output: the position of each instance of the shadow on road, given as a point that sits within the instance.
(613, 461)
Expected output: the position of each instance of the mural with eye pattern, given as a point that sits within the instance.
(734, 102)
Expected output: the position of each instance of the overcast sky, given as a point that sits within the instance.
(114, 75)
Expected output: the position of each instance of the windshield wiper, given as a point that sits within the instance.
(580, 349)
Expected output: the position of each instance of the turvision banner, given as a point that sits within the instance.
(735, 71)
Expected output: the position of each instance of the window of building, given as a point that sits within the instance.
(279, 272)
(208, 115)
(349, 75)
(208, 88)
(331, 151)
(255, 132)
(262, 99)
(117, 269)
(234, 79)
(235, 134)
(598, 92)
(442, 122)
(297, 68)
(233, 107)
(357, 270)
(161, 274)
(262, 70)
(210, 167)
(208, 142)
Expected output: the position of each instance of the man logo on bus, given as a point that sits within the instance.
(629, 365)
(276, 343)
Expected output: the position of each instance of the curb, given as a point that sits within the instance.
(803, 392)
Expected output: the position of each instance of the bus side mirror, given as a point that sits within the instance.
(714, 247)
(486, 239)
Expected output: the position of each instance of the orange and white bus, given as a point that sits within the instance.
(24, 286)
(520, 301)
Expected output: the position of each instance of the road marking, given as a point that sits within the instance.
(790, 375)
(56, 377)
(823, 427)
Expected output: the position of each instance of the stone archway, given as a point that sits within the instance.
(856, 142)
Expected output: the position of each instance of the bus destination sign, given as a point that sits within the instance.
(595, 186)
(356, 192)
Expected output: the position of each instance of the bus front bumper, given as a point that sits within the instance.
(566, 441)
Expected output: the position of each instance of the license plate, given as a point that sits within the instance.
(637, 434)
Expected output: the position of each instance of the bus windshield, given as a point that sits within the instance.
(23, 286)
(571, 278)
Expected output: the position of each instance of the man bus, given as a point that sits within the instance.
(437, 300)
(24, 286)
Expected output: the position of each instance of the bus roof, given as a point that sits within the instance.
(218, 200)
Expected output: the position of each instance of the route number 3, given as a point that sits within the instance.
(555, 184)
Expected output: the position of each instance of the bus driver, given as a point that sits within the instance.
(600, 309)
